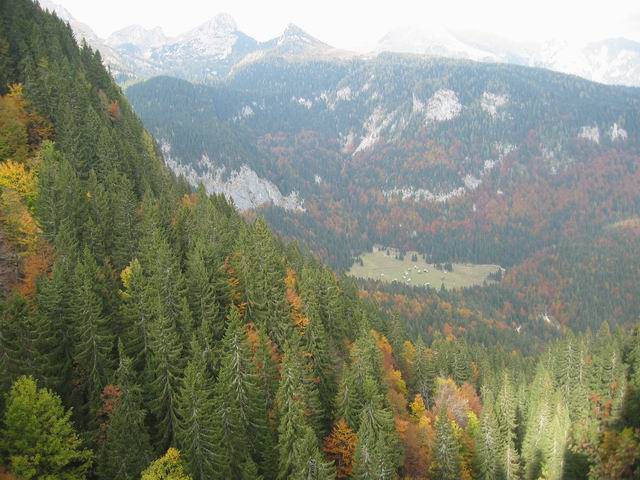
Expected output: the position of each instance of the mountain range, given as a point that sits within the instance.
(210, 51)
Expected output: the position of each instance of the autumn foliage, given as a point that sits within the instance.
(340, 446)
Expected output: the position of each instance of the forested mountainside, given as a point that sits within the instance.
(471, 147)
(151, 332)
(461, 161)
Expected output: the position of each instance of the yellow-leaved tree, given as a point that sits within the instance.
(167, 467)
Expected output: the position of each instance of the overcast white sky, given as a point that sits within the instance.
(358, 24)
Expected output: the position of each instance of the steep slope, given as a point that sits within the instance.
(121, 67)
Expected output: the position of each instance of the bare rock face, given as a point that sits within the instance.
(442, 106)
(591, 133)
(244, 187)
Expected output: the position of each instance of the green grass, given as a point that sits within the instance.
(379, 266)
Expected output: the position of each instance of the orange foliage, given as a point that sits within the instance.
(340, 446)
(234, 287)
(35, 265)
(4, 475)
(110, 397)
(252, 337)
(189, 201)
(254, 343)
(23, 234)
(295, 302)
(114, 111)
(448, 331)
(418, 438)
(397, 393)
(468, 393)
(24, 129)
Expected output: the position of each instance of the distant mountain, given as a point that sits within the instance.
(138, 37)
(613, 61)
(212, 50)
(437, 42)
(295, 42)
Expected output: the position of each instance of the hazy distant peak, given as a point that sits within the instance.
(137, 35)
(294, 34)
(292, 30)
(222, 23)
(434, 40)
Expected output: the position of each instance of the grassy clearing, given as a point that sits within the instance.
(377, 265)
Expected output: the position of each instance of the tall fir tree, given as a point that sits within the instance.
(505, 406)
(163, 374)
(488, 440)
(296, 438)
(125, 450)
(195, 433)
(94, 341)
(240, 419)
(378, 450)
(446, 455)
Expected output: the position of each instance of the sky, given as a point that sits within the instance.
(359, 24)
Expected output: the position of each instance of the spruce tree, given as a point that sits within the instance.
(137, 312)
(201, 292)
(538, 424)
(378, 451)
(267, 376)
(555, 442)
(94, 341)
(240, 420)
(310, 464)
(249, 470)
(53, 306)
(349, 400)
(315, 343)
(488, 441)
(195, 423)
(123, 217)
(126, 450)
(505, 406)
(295, 436)
(20, 343)
(446, 455)
(165, 368)
(425, 372)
